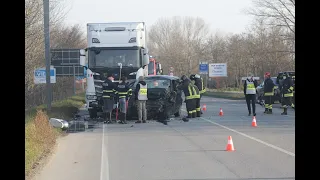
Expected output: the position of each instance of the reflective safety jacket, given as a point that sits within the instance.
(287, 87)
(123, 90)
(195, 92)
(250, 86)
(199, 83)
(268, 87)
(188, 91)
(109, 89)
(143, 92)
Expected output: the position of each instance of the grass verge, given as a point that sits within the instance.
(40, 137)
(225, 95)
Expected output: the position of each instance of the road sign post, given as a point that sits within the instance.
(218, 70)
(40, 76)
(47, 50)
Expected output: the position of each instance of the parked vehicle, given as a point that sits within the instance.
(164, 98)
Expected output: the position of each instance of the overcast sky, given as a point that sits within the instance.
(225, 16)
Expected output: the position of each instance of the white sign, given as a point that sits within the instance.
(218, 70)
(40, 75)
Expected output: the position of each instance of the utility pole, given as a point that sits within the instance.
(47, 50)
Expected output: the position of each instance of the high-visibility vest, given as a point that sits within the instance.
(250, 88)
(143, 92)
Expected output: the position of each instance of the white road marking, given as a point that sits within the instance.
(104, 167)
(253, 138)
(250, 137)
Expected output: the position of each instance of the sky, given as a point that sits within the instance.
(223, 16)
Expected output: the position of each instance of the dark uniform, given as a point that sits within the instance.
(250, 86)
(287, 91)
(268, 93)
(196, 98)
(123, 92)
(198, 81)
(109, 93)
(188, 93)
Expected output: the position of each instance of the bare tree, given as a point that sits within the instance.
(179, 42)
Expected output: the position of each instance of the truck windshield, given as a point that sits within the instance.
(151, 68)
(111, 58)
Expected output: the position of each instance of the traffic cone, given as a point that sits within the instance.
(230, 144)
(221, 112)
(204, 108)
(254, 122)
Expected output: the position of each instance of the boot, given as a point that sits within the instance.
(144, 121)
(194, 114)
(265, 110)
(284, 111)
(270, 111)
(198, 113)
(138, 121)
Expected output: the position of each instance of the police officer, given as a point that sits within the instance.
(196, 103)
(250, 86)
(268, 92)
(141, 95)
(109, 93)
(198, 81)
(124, 92)
(188, 94)
(287, 92)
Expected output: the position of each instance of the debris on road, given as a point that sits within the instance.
(59, 123)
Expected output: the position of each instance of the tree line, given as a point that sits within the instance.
(268, 45)
(62, 35)
(180, 42)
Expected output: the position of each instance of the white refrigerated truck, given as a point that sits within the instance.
(118, 48)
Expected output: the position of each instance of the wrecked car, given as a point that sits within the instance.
(164, 98)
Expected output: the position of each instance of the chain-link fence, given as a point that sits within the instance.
(63, 88)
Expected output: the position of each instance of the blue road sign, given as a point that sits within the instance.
(40, 75)
(203, 68)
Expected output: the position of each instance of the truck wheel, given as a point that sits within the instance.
(93, 113)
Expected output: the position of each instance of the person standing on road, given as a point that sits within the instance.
(287, 91)
(268, 92)
(124, 92)
(109, 93)
(198, 81)
(188, 94)
(250, 86)
(196, 99)
(141, 95)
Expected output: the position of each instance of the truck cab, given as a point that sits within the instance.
(113, 48)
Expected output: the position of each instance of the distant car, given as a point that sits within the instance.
(276, 96)
(164, 98)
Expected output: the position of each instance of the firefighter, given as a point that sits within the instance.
(198, 81)
(287, 93)
(188, 94)
(196, 99)
(123, 92)
(268, 92)
(250, 86)
(141, 95)
(109, 93)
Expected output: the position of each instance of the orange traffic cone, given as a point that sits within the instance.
(221, 112)
(254, 122)
(230, 144)
(204, 108)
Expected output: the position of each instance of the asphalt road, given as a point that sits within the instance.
(181, 151)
